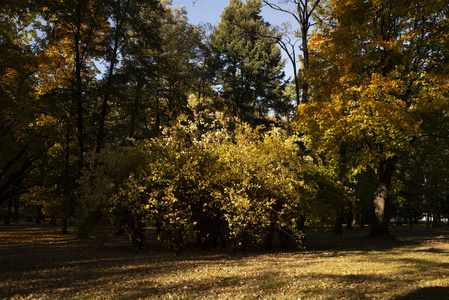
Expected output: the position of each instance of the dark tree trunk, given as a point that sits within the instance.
(8, 213)
(349, 218)
(269, 237)
(38, 214)
(15, 215)
(436, 220)
(284, 236)
(135, 109)
(362, 221)
(78, 90)
(108, 87)
(338, 227)
(64, 226)
(379, 225)
(104, 109)
(305, 84)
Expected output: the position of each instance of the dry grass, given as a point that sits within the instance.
(37, 262)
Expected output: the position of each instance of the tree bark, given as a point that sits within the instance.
(78, 91)
(305, 55)
(379, 225)
(109, 83)
(338, 227)
(135, 109)
(8, 213)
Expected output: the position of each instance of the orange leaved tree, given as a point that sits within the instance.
(379, 80)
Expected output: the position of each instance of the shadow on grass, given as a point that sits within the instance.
(59, 266)
(360, 243)
(358, 239)
(435, 292)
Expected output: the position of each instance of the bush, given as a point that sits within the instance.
(202, 180)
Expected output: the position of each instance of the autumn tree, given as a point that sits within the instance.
(24, 125)
(248, 62)
(77, 28)
(158, 70)
(381, 78)
(134, 34)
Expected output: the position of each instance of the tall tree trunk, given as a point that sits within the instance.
(104, 109)
(379, 225)
(305, 54)
(66, 180)
(297, 90)
(109, 85)
(78, 91)
(135, 109)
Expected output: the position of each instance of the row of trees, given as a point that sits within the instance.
(124, 112)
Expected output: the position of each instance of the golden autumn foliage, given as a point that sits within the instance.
(378, 77)
(199, 178)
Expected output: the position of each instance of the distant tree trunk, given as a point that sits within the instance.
(38, 214)
(269, 237)
(284, 236)
(64, 226)
(436, 220)
(349, 218)
(338, 227)
(135, 109)
(66, 180)
(362, 221)
(379, 226)
(78, 90)
(157, 123)
(15, 215)
(8, 213)
(109, 85)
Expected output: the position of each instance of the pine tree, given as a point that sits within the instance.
(248, 61)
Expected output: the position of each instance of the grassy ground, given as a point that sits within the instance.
(37, 262)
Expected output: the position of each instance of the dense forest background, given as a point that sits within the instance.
(117, 114)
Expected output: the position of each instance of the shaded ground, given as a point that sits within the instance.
(37, 262)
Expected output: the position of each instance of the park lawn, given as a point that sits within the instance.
(36, 262)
